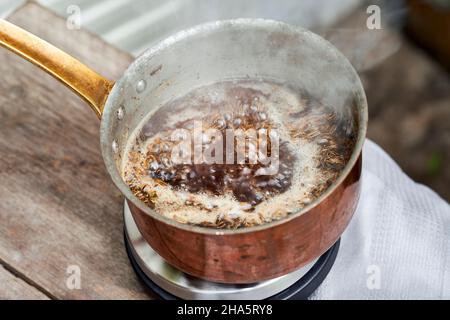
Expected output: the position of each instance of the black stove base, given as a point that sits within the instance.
(300, 290)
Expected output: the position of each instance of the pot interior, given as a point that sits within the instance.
(258, 50)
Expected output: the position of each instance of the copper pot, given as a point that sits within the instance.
(204, 54)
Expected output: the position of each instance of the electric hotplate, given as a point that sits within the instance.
(170, 283)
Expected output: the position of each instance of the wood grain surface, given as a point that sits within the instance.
(13, 287)
(58, 206)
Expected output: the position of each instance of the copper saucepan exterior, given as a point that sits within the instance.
(223, 50)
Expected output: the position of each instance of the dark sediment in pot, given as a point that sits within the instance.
(287, 149)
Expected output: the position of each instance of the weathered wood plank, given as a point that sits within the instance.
(14, 288)
(58, 206)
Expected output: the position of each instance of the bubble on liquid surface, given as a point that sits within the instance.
(115, 146)
(141, 85)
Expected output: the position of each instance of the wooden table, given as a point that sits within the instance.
(58, 207)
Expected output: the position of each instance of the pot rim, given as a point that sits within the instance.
(105, 124)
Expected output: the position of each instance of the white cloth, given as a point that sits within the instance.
(397, 245)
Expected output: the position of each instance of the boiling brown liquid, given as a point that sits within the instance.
(242, 180)
(314, 146)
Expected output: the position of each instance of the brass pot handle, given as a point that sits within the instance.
(88, 84)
